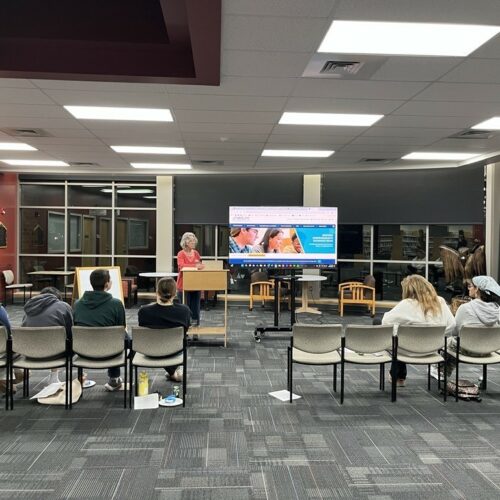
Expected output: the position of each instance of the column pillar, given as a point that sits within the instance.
(164, 222)
(492, 229)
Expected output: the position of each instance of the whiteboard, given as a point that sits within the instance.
(82, 281)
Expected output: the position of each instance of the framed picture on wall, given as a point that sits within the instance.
(3, 236)
(55, 232)
(75, 233)
(138, 234)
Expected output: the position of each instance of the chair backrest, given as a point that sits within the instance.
(259, 276)
(317, 339)
(368, 338)
(98, 341)
(421, 339)
(356, 290)
(369, 281)
(39, 342)
(480, 339)
(3, 340)
(158, 342)
(9, 276)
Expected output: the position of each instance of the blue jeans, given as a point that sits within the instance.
(193, 302)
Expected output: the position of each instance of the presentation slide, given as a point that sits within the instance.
(283, 236)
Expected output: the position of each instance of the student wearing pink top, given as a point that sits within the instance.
(189, 257)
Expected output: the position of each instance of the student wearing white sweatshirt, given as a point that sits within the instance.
(420, 305)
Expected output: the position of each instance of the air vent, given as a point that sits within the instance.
(83, 164)
(26, 132)
(341, 67)
(380, 161)
(208, 163)
(473, 134)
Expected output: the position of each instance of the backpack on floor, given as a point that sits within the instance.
(467, 390)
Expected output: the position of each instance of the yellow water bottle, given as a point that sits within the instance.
(143, 389)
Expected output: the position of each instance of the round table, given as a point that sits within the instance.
(158, 275)
(308, 278)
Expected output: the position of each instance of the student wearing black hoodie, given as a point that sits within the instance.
(48, 309)
(99, 308)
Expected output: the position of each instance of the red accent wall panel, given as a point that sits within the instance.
(8, 204)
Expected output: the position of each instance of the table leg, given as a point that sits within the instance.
(305, 302)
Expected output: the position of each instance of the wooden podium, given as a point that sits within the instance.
(207, 280)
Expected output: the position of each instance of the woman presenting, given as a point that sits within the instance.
(189, 257)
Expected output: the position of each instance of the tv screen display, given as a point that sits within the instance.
(283, 236)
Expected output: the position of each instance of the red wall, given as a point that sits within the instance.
(8, 203)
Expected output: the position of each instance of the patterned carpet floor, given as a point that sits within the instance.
(233, 441)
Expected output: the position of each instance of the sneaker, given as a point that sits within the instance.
(400, 382)
(114, 384)
(177, 376)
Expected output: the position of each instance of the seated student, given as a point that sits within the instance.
(483, 310)
(100, 308)
(48, 309)
(420, 305)
(165, 313)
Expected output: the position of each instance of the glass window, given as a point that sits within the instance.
(223, 241)
(88, 195)
(87, 262)
(45, 263)
(33, 229)
(354, 241)
(399, 242)
(330, 287)
(134, 266)
(444, 289)
(388, 278)
(89, 231)
(135, 196)
(454, 236)
(42, 195)
(204, 233)
(135, 232)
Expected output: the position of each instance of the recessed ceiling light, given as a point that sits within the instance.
(36, 163)
(163, 166)
(109, 113)
(297, 153)
(490, 124)
(149, 150)
(439, 156)
(414, 39)
(338, 119)
(16, 146)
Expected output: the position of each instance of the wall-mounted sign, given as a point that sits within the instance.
(3, 236)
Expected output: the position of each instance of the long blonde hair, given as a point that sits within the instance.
(416, 287)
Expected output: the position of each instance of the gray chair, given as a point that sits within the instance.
(315, 345)
(368, 345)
(39, 348)
(158, 348)
(420, 345)
(11, 285)
(99, 348)
(482, 341)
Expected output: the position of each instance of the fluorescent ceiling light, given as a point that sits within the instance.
(491, 124)
(134, 191)
(149, 150)
(108, 113)
(297, 153)
(16, 146)
(413, 39)
(150, 197)
(107, 190)
(439, 156)
(338, 119)
(163, 166)
(36, 163)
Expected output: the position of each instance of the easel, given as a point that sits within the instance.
(259, 331)
(207, 280)
(84, 272)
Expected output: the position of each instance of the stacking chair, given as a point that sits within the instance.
(483, 341)
(420, 345)
(315, 345)
(99, 347)
(158, 348)
(10, 285)
(361, 344)
(39, 348)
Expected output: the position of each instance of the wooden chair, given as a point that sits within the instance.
(129, 286)
(354, 292)
(262, 288)
(11, 285)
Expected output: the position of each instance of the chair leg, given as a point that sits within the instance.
(485, 378)
(445, 377)
(335, 378)
(27, 380)
(7, 384)
(135, 376)
(342, 382)
(69, 384)
(125, 382)
(382, 377)
(131, 376)
(290, 373)
(428, 377)
(456, 378)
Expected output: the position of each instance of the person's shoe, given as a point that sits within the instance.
(435, 372)
(400, 382)
(177, 376)
(114, 384)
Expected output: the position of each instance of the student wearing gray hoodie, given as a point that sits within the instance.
(48, 309)
(483, 310)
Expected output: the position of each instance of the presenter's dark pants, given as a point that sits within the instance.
(193, 302)
(398, 368)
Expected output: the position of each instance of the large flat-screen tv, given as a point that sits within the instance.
(283, 236)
